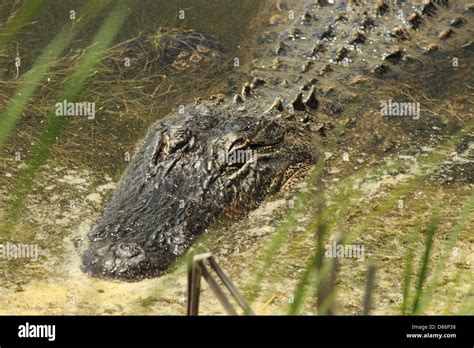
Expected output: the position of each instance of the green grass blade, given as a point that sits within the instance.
(407, 278)
(453, 237)
(48, 137)
(28, 11)
(431, 230)
(12, 113)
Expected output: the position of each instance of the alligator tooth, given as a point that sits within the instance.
(446, 34)
(457, 22)
(246, 90)
(257, 82)
(415, 20)
(394, 57)
(298, 103)
(238, 99)
(284, 83)
(381, 8)
(311, 101)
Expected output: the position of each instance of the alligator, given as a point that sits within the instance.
(225, 155)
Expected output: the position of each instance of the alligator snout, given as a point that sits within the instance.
(121, 260)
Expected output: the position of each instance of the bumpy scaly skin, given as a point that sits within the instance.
(177, 184)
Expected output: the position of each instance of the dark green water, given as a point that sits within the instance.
(34, 28)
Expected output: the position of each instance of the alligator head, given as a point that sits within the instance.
(191, 170)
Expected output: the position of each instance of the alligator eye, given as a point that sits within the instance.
(170, 142)
(178, 138)
(161, 149)
(240, 143)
